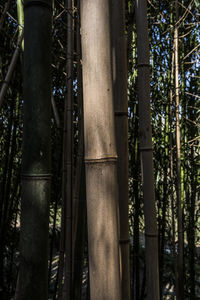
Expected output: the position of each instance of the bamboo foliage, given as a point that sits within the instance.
(100, 155)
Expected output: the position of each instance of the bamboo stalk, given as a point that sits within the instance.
(20, 14)
(79, 199)
(55, 112)
(68, 154)
(180, 287)
(119, 68)
(36, 177)
(145, 137)
(100, 151)
(10, 71)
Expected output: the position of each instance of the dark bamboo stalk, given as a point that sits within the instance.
(180, 287)
(79, 201)
(68, 154)
(119, 68)
(61, 254)
(137, 211)
(55, 112)
(33, 276)
(145, 136)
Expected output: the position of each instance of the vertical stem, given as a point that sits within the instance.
(68, 154)
(180, 288)
(119, 68)
(20, 14)
(100, 151)
(33, 277)
(79, 213)
(145, 136)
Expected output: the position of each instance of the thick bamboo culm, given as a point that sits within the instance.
(100, 151)
(146, 151)
(119, 68)
(36, 158)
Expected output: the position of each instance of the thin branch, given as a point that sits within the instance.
(192, 95)
(7, 5)
(195, 139)
(191, 51)
(10, 70)
(55, 112)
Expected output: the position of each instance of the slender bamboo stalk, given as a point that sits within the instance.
(100, 151)
(145, 136)
(119, 68)
(33, 276)
(61, 254)
(20, 14)
(68, 154)
(136, 260)
(55, 112)
(10, 71)
(180, 287)
(79, 200)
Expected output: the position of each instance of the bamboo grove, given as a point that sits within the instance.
(99, 149)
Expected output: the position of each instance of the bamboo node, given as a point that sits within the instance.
(100, 160)
(25, 176)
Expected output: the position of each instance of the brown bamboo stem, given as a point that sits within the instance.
(145, 137)
(100, 151)
(119, 68)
